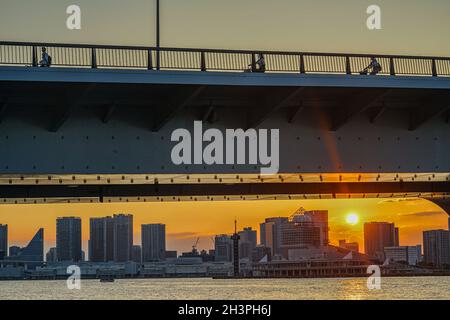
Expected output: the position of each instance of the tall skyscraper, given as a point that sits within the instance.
(68, 239)
(247, 243)
(377, 236)
(123, 237)
(3, 241)
(223, 248)
(101, 239)
(153, 242)
(270, 233)
(111, 238)
(436, 247)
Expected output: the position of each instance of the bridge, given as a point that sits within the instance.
(96, 126)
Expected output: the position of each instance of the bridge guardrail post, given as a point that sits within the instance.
(149, 59)
(433, 68)
(348, 68)
(302, 64)
(158, 59)
(93, 58)
(253, 62)
(34, 57)
(391, 66)
(202, 61)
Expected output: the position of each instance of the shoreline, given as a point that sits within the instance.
(447, 274)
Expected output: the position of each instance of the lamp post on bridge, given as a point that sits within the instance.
(158, 36)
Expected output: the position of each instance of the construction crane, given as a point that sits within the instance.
(194, 246)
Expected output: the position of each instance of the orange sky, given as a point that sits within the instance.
(189, 220)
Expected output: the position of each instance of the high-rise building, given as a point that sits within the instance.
(235, 252)
(436, 247)
(410, 255)
(51, 255)
(123, 237)
(68, 239)
(101, 240)
(153, 242)
(319, 218)
(270, 234)
(247, 243)
(302, 230)
(223, 248)
(3, 241)
(377, 236)
(111, 238)
(352, 246)
(136, 254)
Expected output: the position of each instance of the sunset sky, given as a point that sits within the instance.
(189, 220)
(414, 27)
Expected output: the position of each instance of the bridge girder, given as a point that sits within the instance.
(109, 122)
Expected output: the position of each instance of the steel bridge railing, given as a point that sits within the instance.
(151, 58)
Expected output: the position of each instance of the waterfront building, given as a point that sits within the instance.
(270, 234)
(223, 248)
(101, 240)
(410, 255)
(247, 243)
(301, 230)
(123, 237)
(153, 242)
(68, 239)
(377, 236)
(33, 253)
(436, 247)
(3, 241)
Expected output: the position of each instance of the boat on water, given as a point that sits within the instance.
(107, 279)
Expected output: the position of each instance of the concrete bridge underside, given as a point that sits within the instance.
(104, 135)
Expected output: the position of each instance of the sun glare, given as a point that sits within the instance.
(352, 218)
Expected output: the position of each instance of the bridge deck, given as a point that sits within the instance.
(121, 76)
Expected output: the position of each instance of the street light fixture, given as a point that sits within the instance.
(158, 38)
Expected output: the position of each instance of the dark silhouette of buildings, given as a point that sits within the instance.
(247, 243)
(153, 242)
(3, 241)
(123, 237)
(377, 236)
(436, 247)
(33, 253)
(111, 238)
(68, 239)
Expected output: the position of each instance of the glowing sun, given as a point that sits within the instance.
(352, 218)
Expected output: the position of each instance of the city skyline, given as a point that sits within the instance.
(299, 25)
(339, 228)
